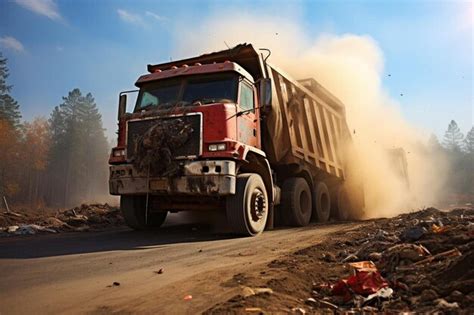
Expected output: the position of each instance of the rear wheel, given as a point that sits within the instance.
(134, 211)
(342, 207)
(323, 202)
(247, 210)
(296, 202)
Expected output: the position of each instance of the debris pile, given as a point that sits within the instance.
(155, 148)
(84, 218)
(421, 261)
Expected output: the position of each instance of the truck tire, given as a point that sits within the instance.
(342, 208)
(133, 211)
(322, 201)
(247, 210)
(296, 202)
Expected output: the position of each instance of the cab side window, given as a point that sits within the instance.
(246, 97)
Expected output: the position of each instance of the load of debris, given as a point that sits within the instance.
(91, 217)
(155, 148)
(421, 261)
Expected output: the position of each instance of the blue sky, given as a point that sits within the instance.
(103, 46)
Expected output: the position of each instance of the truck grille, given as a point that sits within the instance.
(191, 148)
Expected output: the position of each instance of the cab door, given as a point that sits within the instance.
(248, 122)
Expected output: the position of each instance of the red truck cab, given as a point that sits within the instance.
(216, 106)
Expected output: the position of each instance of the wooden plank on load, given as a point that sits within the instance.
(284, 107)
(321, 134)
(330, 135)
(337, 139)
(313, 140)
(295, 111)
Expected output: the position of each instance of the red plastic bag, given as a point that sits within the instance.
(363, 283)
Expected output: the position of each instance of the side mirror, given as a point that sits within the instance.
(122, 108)
(265, 92)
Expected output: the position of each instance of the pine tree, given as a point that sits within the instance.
(469, 141)
(453, 137)
(9, 108)
(433, 142)
(78, 161)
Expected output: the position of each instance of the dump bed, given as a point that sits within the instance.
(306, 123)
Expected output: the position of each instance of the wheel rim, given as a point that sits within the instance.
(257, 211)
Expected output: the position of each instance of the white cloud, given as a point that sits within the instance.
(12, 43)
(156, 16)
(47, 8)
(130, 17)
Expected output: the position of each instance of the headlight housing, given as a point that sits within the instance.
(118, 152)
(217, 147)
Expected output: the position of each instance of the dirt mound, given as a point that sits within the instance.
(87, 217)
(420, 261)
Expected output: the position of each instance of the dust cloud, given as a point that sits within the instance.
(351, 67)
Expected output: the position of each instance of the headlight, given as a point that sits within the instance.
(217, 147)
(118, 152)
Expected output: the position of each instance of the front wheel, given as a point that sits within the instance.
(247, 210)
(134, 212)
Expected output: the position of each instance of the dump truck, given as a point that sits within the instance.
(229, 131)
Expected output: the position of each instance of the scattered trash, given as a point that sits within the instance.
(444, 304)
(253, 309)
(78, 219)
(312, 302)
(363, 283)
(160, 271)
(418, 262)
(12, 229)
(450, 253)
(247, 291)
(320, 304)
(28, 229)
(438, 229)
(351, 257)
(375, 256)
(402, 255)
(188, 297)
(367, 266)
(412, 234)
(298, 310)
(382, 294)
(114, 284)
(262, 290)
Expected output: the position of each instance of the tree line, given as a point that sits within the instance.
(459, 151)
(60, 161)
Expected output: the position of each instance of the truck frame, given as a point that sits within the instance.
(229, 130)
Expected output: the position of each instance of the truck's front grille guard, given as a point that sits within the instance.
(193, 148)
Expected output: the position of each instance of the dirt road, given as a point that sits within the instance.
(74, 272)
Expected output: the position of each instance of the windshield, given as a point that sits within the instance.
(190, 90)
